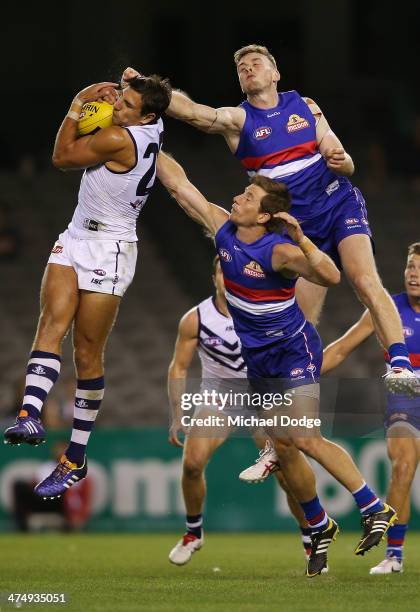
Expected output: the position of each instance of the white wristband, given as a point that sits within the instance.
(73, 115)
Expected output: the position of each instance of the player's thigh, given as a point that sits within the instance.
(198, 450)
(59, 295)
(357, 258)
(94, 318)
(311, 298)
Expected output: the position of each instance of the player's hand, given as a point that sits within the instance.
(291, 225)
(99, 91)
(335, 158)
(175, 429)
(129, 73)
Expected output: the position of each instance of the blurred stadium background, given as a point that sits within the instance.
(357, 59)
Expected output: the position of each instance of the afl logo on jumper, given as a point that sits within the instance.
(408, 332)
(262, 132)
(296, 123)
(225, 255)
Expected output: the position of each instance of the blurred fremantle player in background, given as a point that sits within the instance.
(93, 262)
(402, 418)
(208, 328)
(287, 138)
(260, 266)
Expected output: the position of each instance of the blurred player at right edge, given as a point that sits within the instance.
(402, 420)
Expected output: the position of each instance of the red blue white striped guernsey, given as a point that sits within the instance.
(262, 302)
(280, 143)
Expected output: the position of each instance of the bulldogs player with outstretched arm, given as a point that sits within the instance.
(260, 267)
(402, 417)
(208, 328)
(93, 261)
(287, 138)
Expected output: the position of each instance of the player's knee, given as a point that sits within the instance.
(368, 287)
(307, 445)
(403, 468)
(87, 356)
(192, 468)
(50, 328)
(285, 451)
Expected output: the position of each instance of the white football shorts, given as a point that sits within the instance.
(103, 266)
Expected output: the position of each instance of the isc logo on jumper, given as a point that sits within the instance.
(254, 270)
(262, 132)
(225, 255)
(296, 123)
(58, 248)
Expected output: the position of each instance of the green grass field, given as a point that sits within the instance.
(232, 572)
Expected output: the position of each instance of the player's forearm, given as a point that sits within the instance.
(66, 136)
(198, 115)
(347, 168)
(334, 355)
(173, 177)
(323, 270)
(177, 377)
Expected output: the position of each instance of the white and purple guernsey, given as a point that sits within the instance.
(219, 348)
(110, 202)
(261, 301)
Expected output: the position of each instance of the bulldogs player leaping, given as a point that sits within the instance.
(93, 262)
(287, 138)
(277, 342)
(402, 417)
(208, 328)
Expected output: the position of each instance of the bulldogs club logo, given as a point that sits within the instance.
(254, 270)
(296, 123)
(225, 255)
(263, 132)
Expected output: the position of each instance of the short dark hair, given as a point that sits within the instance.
(414, 249)
(156, 93)
(277, 200)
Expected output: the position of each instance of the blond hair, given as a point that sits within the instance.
(239, 54)
(414, 249)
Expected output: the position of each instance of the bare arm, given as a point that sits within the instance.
(305, 259)
(212, 120)
(227, 121)
(173, 177)
(330, 147)
(185, 345)
(336, 352)
(71, 152)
